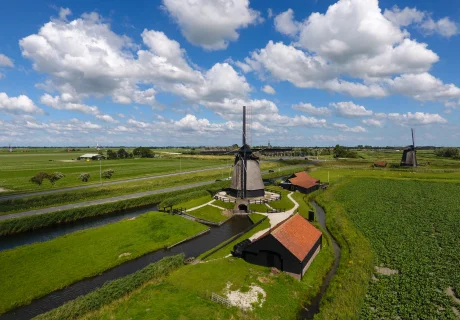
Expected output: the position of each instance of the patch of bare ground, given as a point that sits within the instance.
(124, 254)
(450, 292)
(255, 296)
(130, 219)
(264, 280)
(385, 271)
(3, 190)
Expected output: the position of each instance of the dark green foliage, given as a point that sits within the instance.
(143, 152)
(122, 154)
(84, 177)
(111, 154)
(107, 174)
(38, 178)
(114, 290)
(342, 152)
(448, 153)
(55, 176)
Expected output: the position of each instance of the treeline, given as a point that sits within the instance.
(140, 152)
(453, 153)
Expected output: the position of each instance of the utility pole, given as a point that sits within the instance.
(180, 164)
(100, 170)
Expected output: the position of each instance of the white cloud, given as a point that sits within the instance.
(269, 13)
(337, 138)
(405, 17)
(445, 27)
(63, 13)
(106, 118)
(268, 89)
(343, 127)
(211, 24)
(351, 110)
(309, 108)
(425, 87)
(18, 105)
(67, 102)
(285, 23)
(5, 61)
(373, 123)
(415, 119)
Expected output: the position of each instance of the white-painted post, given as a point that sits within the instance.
(328, 177)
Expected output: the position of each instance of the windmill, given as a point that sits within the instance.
(409, 157)
(246, 179)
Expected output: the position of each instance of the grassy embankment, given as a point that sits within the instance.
(115, 289)
(31, 271)
(23, 224)
(184, 294)
(285, 203)
(413, 228)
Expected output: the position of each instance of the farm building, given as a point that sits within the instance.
(91, 156)
(301, 182)
(291, 246)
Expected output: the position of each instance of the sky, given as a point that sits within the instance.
(177, 72)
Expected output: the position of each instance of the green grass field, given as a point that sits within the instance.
(31, 271)
(184, 294)
(413, 228)
(208, 213)
(285, 203)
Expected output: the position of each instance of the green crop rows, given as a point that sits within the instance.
(414, 229)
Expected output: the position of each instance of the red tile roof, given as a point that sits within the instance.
(302, 179)
(297, 235)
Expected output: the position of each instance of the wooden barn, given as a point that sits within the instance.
(301, 182)
(291, 246)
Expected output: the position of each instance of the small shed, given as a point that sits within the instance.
(291, 246)
(301, 182)
(91, 156)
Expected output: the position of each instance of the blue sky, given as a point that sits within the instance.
(176, 72)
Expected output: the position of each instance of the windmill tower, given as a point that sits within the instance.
(246, 180)
(409, 157)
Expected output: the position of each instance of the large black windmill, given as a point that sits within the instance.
(409, 157)
(246, 180)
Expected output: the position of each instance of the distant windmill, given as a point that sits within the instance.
(10, 148)
(409, 157)
(246, 180)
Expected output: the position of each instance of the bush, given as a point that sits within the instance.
(84, 177)
(55, 177)
(107, 174)
(39, 177)
(114, 290)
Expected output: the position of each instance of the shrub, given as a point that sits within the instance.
(39, 177)
(107, 174)
(55, 176)
(84, 177)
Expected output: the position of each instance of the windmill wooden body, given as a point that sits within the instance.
(409, 157)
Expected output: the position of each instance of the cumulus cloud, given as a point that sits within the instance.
(18, 105)
(268, 89)
(5, 61)
(343, 127)
(285, 23)
(404, 17)
(106, 118)
(413, 119)
(67, 102)
(309, 108)
(64, 12)
(211, 24)
(351, 110)
(373, 123)
(445, 27)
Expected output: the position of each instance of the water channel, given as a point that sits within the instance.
(312, 308)
(191, 248)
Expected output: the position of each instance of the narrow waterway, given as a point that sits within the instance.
(48, 233)
(191, 248)
(312, 308)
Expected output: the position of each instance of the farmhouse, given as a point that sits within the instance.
(291, 246)
(91, 156)
(301, 182)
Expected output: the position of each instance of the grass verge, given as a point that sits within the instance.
(345, 294)
(208, 213)
(114, 290)
(32, 271)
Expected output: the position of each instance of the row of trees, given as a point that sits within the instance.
(141, 152)
(341, 152)
(448, 153)
(55, 176)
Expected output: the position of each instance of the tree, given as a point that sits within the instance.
(84, 177)
(55, 176)
(122, 154)
(107, 174)
(38, 178)
(342, 152)
(111, 155)
(143, 152)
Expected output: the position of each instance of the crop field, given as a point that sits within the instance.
(31, 271)
(413, 229)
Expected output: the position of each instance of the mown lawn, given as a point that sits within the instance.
(284, 203)
(185, 293)
(258, 207)
(194, 202)
(31, 271)
(208, 213)
(226, 205)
